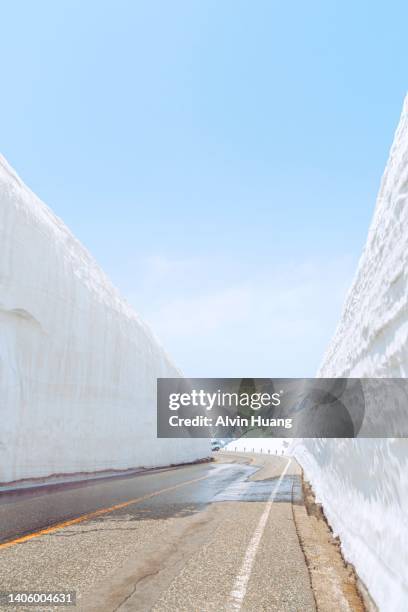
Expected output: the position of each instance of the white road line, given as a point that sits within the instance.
(241, 582)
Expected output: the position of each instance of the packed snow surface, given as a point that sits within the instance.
(78, 367)
(363, 483)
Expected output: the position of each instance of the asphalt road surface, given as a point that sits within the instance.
(214, 536)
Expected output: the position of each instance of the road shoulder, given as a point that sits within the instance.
(333, 580)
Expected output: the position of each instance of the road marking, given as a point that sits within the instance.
(96, 513)
(241, 582)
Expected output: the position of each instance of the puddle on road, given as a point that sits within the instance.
(289, 490)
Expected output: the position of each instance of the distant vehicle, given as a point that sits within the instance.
(215, 445)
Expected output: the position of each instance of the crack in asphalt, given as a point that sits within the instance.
(133, 591)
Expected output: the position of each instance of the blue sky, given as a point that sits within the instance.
(220, 159)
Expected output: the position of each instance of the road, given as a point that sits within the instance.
(214, 536)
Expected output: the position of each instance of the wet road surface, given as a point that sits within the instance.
(215, 536)
(27, 511)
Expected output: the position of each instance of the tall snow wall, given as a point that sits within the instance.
(77, 366)
(363, 483)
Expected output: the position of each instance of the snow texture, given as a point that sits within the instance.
(363, 483)
(78, 367)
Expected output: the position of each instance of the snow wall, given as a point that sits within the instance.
(363, 483)
(77, 366)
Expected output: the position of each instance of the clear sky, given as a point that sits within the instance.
(219, 158)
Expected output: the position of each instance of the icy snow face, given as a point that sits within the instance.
(363, 484)
(77, 366)
(371, 339)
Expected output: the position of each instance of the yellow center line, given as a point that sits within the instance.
(96, 513)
